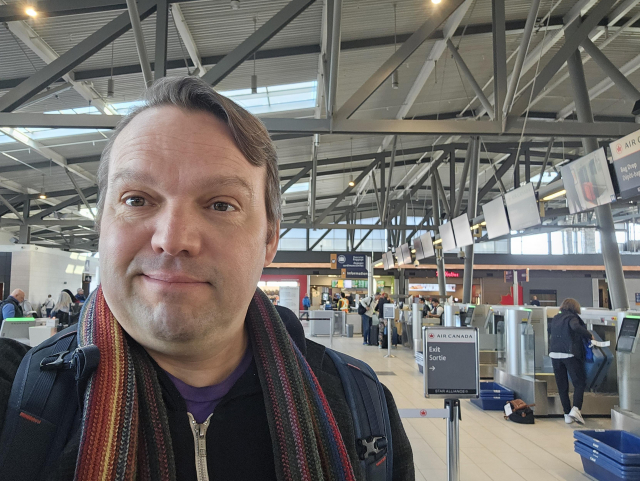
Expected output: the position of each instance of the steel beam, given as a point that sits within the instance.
(80, 194)
(463, 179)
(433, 166)
(602, 86)
(441, 194)
(47, 152)
(295, 179)
(571, 45)
(499, 57)
(189, 43)
(11, 208)
(393, 62)
(289, 229)
(385, 206)
(472, 211)
(72, 58)
(607, 66)
(506, 165)
(162, 32)
(544, 162)
(341, 197)
(261, 36)
(25, 229)
(334, 56)
(522, 52)
(452, 180)
(470, 78)
(132, 6)
(609, 244)
(449, 28)
(29, 37)
(314, 179)
(439, 253)
(329, 229)
(593, 37)
(37, 219)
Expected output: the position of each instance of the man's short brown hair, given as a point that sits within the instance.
(249, 134)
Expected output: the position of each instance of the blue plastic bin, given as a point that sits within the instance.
(605, 461)
(603, 474)
(620, 446)
(487, 404)
(494, 387)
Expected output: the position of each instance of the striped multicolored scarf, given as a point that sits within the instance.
(125, 430)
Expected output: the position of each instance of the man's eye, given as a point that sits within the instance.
(135, 201)
(223, 207)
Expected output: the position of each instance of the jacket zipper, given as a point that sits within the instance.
(200, 442)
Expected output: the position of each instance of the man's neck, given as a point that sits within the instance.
(207, 369)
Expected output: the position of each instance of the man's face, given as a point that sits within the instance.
(183, 237)
(20, 296)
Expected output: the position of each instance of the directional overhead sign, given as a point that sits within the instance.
(452, 367)
(351, 265)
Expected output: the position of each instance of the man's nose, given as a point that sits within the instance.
(177, 232)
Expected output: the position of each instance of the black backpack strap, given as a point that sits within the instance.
(368, 405)
(45, 400)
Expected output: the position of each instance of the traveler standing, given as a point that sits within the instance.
(366, 312)
(306, 305)
(11, 305)
(63, 308)
(80, 295)
(535, 301)
(48, 305)
(567, 336)
(343, 303)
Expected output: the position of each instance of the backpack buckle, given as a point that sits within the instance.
(50, 365)
(372, 446)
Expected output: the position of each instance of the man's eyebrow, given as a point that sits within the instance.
(128, 175)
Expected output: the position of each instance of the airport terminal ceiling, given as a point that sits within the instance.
(379, 94)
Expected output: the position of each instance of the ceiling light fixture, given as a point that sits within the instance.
(31, 12)
(351, 182)
(554, 196)
(235, 4)
(43, 194)
(110, 83)
(436, 1)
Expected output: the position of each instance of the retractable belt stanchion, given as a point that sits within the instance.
(331, 325)
(451, 367)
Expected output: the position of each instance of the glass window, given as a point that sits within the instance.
(557, 243)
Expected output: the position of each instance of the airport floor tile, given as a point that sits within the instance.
(491, 449)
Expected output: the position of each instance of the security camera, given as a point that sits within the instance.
(235, 4)
(460, 254)
(14, 240)
(416, 263)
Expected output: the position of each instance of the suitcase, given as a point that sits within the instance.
(373, 335)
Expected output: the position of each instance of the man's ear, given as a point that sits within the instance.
(272, 244)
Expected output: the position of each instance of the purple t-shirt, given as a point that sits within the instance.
(201, 401)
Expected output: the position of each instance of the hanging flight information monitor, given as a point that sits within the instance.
(462, 231)
(522, 207)
(496, 218)
(387, 260)
(587, 182)
(404, 256)
(626, 164)
(448, 239)
(423, 246)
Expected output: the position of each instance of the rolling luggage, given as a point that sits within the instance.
(373, 335)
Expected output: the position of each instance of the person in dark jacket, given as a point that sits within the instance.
(198, 377)
(567, 335)
(11, 306)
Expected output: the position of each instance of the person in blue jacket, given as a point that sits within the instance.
(11, 306)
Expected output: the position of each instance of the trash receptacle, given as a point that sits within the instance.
(349, 330)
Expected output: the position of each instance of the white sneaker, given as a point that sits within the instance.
(575, 414)
(568, 419)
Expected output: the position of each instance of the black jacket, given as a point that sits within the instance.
(238, 439)
(16, 305)
(566, 334)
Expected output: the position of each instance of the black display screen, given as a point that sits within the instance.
(628, 333)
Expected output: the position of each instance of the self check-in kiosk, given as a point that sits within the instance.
(626, 415)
